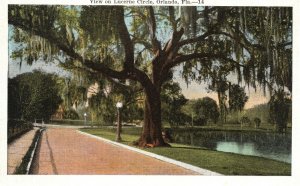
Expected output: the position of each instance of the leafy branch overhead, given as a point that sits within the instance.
(95, 34)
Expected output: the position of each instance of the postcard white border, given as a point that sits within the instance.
(10, 180)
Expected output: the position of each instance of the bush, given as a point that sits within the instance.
(280, 104)
(16, 128)
(257, 122)
(70, 114)
(200, 120)
(245, 120)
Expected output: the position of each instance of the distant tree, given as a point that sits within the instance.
(37, 96)
(257, 122)
(245, 120)
(220, 85)
(70, 114)
(206, 109)
(280, 103)
(237, 98)
(189, 112)
(102, 107)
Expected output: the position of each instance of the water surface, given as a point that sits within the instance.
(262, 144)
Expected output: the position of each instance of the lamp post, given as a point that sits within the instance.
(85, 115)
(119, 105)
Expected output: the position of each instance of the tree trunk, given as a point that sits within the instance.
(152, 130)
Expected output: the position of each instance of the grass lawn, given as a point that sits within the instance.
(221, 162)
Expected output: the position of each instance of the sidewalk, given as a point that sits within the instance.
(65, 151)
(17, 150)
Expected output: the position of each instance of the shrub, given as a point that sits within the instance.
(257, 122)
(70, 114)
(16, 128)
(245, 120)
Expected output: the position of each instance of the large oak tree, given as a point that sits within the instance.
(144, 44)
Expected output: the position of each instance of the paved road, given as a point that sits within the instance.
(66, 151)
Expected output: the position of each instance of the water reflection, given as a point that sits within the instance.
(268, 145)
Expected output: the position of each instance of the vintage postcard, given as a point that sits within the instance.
(129, 90)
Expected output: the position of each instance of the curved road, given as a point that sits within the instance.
(66, 151)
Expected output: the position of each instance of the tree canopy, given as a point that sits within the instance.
(33, 96)
(280, 104)
(237, 98)
(205, 109)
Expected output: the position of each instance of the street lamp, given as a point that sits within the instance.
(85, 115)
(119, 105)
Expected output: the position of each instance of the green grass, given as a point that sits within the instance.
(234, 128)
(221, 162)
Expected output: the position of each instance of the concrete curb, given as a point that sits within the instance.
(34, 150)
(199, 170)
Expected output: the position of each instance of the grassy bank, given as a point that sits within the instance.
(224, 163)
(234, 128)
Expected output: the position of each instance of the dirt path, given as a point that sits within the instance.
(66, 151)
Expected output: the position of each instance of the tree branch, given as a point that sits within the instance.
(125, 40)
(59, 42)
(152, 27)
(182, 58)
(172, 18)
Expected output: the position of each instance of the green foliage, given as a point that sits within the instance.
(259, 38)
(103, 108)
(206, 109)
(14, 107)
(237, 98)
(257, 122)
(280, 104)
(99, 22)
(16, 127)
(245, 120)
(70, 114)
(35, 95)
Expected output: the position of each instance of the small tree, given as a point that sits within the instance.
(279, 109)
(237, 99)
(70, 114)
(257, 122)
(206, 109)
(245, 120)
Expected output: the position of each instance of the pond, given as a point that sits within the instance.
(262, 144)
